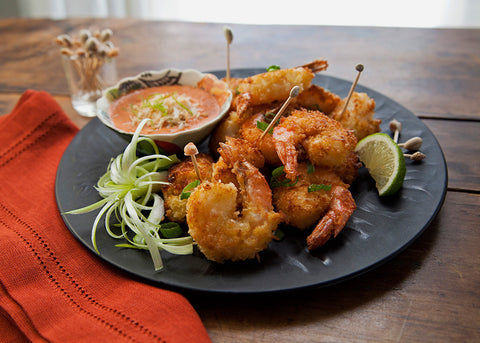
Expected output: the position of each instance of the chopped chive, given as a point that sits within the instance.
(171, 230)
(318, 187)
(278, 171)
(263, 126)
(269, 117)
(182, 105)
(188, 189)
(273, 68)
(274, 182)
(310, 168)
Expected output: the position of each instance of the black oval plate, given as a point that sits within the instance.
(377, 231)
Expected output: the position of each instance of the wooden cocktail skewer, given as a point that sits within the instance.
(229, 37)
(293, 93)
(359, 67)
(191, 150)
(395, 126)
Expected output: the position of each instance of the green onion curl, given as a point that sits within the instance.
(129, 190)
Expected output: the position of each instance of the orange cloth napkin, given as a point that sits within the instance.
(52, 289)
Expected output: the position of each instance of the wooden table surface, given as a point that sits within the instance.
(428, 293)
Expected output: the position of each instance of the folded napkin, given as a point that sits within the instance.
(52, 289)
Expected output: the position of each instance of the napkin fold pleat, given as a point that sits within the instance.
(51, 287)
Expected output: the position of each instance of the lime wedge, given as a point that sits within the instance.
(384, 160)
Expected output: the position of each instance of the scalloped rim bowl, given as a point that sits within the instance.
(171, 76)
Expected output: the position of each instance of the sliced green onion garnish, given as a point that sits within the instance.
(318, 187)
(182, 105)
(310, 168)
(171, 230)
(263, 126)
(273, 68)
(269, 117)
(128, 189)
(188, 189)
(275, 182)
(278, 171)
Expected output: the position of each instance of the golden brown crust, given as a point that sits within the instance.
(179, 176)
(358, 115)
(317, 98)
(302, 208)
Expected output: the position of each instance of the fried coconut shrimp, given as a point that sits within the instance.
(251, 133)
(230, 125)
(319, 198)
(339, 211)
(222, 230)
(235, 149)
(317, 98)
(179, 176)
(324, 140)
(256, 93)
(358, 116)
(276, 85)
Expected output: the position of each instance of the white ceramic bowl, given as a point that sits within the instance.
(173, 141)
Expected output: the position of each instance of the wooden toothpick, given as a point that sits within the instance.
(191, 150)
(293, 93)
(396, 127)
(229, 37)
(359, 67)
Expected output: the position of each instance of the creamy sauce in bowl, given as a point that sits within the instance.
(184, 105)
(172, 108)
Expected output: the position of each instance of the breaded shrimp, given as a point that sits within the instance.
(179, 176)
(215, 87)
(229, 126)
(317, 98)
(316, 66)
(222, 230)
(358, 116)
(325, 141)
(251, 133)
(275, 85)
(235, 149)
(253, 94)
(328, 208)
(340, 209)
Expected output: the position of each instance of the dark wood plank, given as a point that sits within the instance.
(433, 72)
(459, 142)
(429, 293)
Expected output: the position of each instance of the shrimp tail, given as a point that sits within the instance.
(254, 185)
(316, 66)
(286, 149)
(322, 232)
(236, 149)
(289, 160)
(226, 152)
(341, 208)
